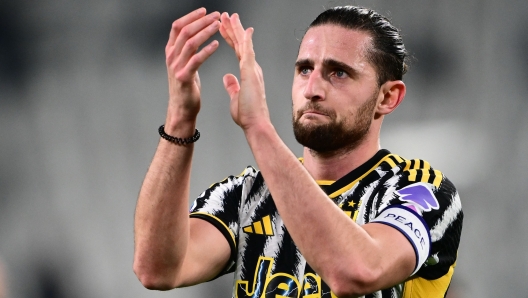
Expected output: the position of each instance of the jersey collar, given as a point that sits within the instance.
(346, 182)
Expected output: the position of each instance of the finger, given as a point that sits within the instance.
(183, 21)
(231, 85)
(190, 30)
(225, 22)
(198, 59)
(191, 45)
(225, 36)
(238, 29)
(248, 44)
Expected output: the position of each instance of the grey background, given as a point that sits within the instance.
(83, 89)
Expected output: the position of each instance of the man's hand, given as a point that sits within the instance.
(248, 99)
(183, 59)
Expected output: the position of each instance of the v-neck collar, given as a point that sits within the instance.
(335, 188)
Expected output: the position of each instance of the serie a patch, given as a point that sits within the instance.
(412, 225)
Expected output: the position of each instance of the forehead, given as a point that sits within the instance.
(335, 42)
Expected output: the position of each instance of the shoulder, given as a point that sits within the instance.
(426, 195)
(250, 171)
(416, 184)
(409, 172)
(249, 174)
(426, 190)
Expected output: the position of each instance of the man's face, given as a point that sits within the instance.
(335, 89)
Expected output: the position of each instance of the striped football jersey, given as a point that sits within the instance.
(408, 195)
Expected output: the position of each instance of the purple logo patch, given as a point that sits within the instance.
(419, 195)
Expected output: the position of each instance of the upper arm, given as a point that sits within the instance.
(403, 240)
(213, 232)
(397, 256)
(406, 233)
(208, 252)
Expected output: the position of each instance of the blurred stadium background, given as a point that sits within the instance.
(83, 90)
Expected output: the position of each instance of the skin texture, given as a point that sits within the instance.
(334, 85)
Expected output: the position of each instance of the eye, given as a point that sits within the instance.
(340, 73)
(304, 70)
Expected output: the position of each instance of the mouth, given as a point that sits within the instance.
(313, 112)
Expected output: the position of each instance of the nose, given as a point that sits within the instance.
(314, 89)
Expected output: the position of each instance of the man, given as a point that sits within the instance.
(346, 220)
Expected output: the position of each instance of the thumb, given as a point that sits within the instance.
(231, 85)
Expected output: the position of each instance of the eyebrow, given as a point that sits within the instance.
(304, 62)
(338, 64)
(330, 63)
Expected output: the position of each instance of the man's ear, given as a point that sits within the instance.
(393, 93)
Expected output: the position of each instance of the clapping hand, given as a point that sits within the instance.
(248, 100)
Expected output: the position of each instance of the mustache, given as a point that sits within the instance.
(314, 106)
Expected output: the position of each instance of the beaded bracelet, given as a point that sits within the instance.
(178, 141)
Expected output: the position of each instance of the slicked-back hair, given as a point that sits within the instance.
(387, 53)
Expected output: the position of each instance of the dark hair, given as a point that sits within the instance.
(387, 54)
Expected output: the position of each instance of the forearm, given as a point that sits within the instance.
(161, 228)
(335, 246)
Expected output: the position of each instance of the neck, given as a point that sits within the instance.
(332, 166)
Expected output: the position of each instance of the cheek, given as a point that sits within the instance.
(343, 117)
(295, 108)
(297, 88)
(298, 100)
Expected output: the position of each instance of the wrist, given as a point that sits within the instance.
(181, 112)
(179, 118)
(259, 132)
(176, 126)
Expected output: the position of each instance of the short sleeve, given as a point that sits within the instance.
(425, 206)
(219, 205)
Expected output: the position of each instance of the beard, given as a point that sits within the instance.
(334, 136)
